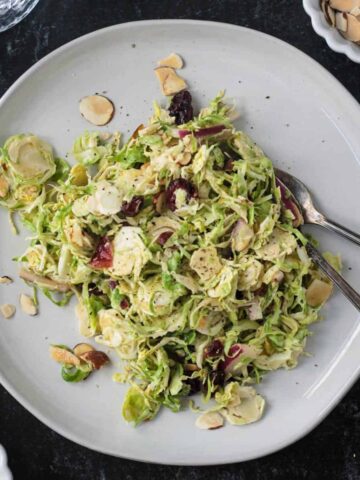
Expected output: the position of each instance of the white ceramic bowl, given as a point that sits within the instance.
(332, 37)
(4, 471)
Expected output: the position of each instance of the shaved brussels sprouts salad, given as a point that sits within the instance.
(182, 254)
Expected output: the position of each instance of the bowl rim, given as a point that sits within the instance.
(332, 37)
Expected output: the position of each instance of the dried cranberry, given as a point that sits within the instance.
(103, 256)
(163, 238)
(214, 349)
(174, 185)
(113, 284)
(195, 385)
(181, 107)
(132, 208)
(124, 304)
(217, 377)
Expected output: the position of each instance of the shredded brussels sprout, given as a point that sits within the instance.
(182, 256)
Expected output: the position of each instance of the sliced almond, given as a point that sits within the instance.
(96, 358)
(81, 348)
(173, 61)
(318, 292)
(183, 158)
(329, 15)
(7, 310)
(169, 80)
(61, 355)
(135, 133)
(323, 3)
(344, 5)
(353, 28)
(97, 109)
(43, 281)
(27, 305)
(341, 21)
(4, 186)
(5, 280)
(191, 367)
(209, 421)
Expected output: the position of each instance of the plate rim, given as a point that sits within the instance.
(74, 437)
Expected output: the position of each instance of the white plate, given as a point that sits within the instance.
(5, 473)
(309, 124)
(332, 37)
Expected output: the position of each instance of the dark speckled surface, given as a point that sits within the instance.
(332, 450)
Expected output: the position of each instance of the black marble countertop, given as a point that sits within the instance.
(332, 450)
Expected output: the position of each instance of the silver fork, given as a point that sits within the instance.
(300, 196)
(309, 212)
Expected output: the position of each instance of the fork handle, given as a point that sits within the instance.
(340, 230)
(340, 281)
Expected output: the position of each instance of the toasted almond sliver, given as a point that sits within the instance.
(7, 310)
(184, 158)
(330, 15)
(341, 21)
(353, 28)
(209, 421)
(27, 305)
(322, 5)
(81, 348)
(173, 61)
(170, 81)
(135, 133)
(97, 109)
(191, 367)
(5, 280)
(343, 5)
(61, 355)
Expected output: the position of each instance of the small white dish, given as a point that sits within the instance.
(5, 473)
(332, 37)
(303, 118)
